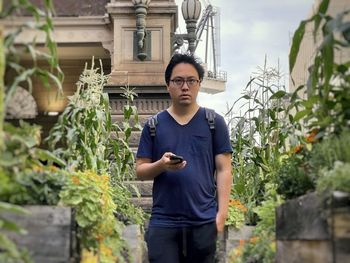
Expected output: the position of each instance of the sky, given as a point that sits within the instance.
(249, 31)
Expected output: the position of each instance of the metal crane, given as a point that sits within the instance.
(209, 24)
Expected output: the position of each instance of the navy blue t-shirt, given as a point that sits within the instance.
(185, 197)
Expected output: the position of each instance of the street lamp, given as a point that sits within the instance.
(191, 10)
(141, 7)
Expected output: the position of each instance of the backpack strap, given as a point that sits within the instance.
(152, 123)
(210, 116)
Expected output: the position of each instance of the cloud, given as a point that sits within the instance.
(231, 29)
(261, 30)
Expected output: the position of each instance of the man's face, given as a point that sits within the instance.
(184, 84)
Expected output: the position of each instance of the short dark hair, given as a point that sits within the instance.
(183, 58)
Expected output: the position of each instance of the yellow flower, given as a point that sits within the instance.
(88, 257)
(37, 168)
(105, 250)
(53, 168)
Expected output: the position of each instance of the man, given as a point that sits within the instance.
(189, 209)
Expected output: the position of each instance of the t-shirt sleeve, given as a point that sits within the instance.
(145, 147)
(222, 143)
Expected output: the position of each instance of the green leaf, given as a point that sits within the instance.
(279, 94)
(301, 114)
(294, 50)
(310, 102)
(7, 207)
(74, 200)
(45, 155)
(322, 9)
(11, 226)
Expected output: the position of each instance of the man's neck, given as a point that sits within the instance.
(183, 114)
(183, 110)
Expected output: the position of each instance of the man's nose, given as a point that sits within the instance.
(185, 85)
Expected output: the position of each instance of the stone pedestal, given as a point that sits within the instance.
(231, 239)
(311, 230)
(161, 23)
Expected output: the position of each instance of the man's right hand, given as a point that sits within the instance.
(172, 165)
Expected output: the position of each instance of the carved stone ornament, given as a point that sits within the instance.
(22, 105)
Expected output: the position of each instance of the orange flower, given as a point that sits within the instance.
(75, 180)
(311, 137)
(99, 237)
(297, 148)
(253, 240)
(238, 204)
(241, 242)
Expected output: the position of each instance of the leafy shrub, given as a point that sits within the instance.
(325, 153)
(293, 178)
(236, 212)
(92, 197)
(336, 179)
(27, 173)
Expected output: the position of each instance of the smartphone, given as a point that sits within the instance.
(179, 158)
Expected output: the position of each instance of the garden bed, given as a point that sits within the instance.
(51, 233)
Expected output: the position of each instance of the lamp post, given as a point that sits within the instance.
(191, 10)
(141, 7)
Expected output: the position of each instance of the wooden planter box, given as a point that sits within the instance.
(310, 230)
(51, 233)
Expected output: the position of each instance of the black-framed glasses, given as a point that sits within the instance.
(179, 82)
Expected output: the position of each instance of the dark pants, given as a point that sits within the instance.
(195, 244)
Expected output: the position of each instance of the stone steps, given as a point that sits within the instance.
(144, 202)
(142, 194)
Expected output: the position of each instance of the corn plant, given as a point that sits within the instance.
(86, 138)
(258, 137)
(83, 129)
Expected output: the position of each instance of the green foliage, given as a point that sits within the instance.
(261, 247)
(86, 138)
(92, 197)
(325, 153)
(18, 146)
(327, 106)
(302, 171)
(42, 22)
(336, 179)
(258, 137)
(293, 178)
(236, 214)
(27, 173)
(124, 160)
(8, 250)
(127, 212)
(83, 129)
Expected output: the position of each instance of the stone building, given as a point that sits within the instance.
(309, 45)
